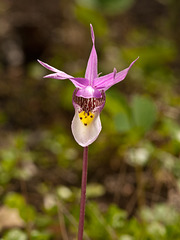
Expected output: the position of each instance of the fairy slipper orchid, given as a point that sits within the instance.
(89, 96)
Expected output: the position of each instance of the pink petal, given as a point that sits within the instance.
(91, 69)
(107, 81)
(88, 92)
(78, 82)
(102, 81)
(61, 75)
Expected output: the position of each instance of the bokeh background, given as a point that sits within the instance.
(133, 190)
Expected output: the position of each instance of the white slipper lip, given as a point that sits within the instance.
(85, 135)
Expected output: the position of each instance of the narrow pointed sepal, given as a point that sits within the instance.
(92, 65)
(59, 74)
(92, 34)
(107, 81)
(85, 131)
(78, 82)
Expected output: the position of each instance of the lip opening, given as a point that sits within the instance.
(89, 104)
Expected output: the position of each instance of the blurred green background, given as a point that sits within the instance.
(133, 190)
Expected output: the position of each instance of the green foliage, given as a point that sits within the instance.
(15, 234)
(139, 117)
(95, 190)
(122, 122)
(116, 217)
(17, 201)
(144, 112)
(95, 225)
(8, 162)
(37, 235)
(154, 55)
(115, 6)
(108, 7)
(87, 15)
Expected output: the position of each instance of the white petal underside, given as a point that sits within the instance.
(85, 135)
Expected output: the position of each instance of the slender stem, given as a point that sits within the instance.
(83, 194)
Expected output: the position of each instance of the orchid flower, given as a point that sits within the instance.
(89, 96)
